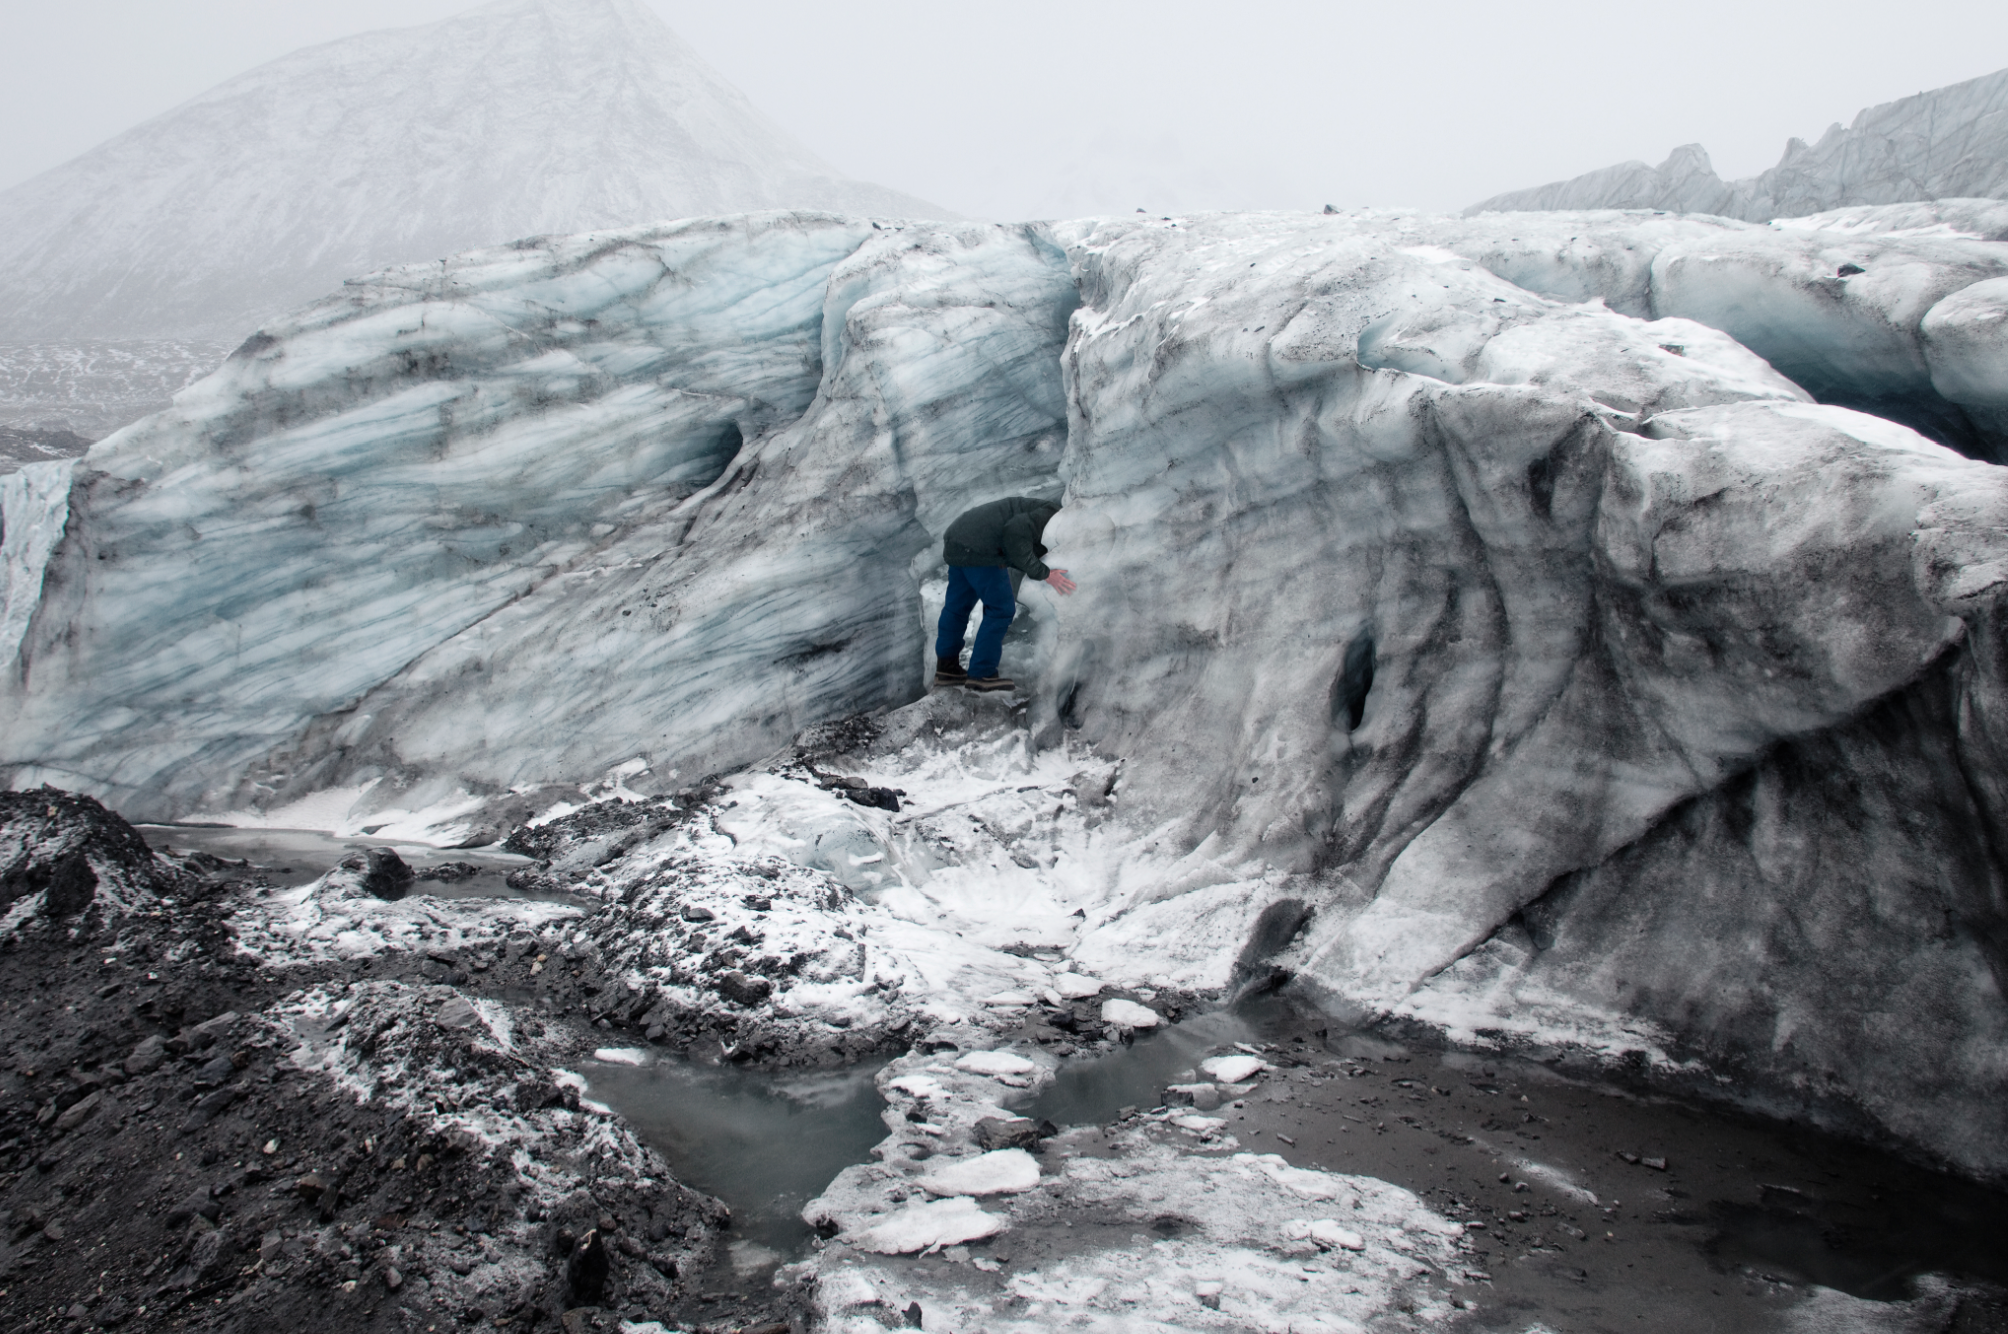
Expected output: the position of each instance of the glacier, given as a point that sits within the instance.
(1949, 143)
(1520, 608)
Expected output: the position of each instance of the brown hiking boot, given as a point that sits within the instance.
(948, 672)
(989, 683)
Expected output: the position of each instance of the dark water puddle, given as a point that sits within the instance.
(765, 1142)
(290, 857)
(1746, 1213)
(1093, 1091)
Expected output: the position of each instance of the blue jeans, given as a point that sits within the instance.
(968, 585)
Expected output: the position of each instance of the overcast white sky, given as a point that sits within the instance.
(1044, 107)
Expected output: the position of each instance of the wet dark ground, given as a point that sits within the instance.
(1582, 1233)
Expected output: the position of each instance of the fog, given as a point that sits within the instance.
(1041, 108)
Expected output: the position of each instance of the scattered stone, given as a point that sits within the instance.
(447, 873)
(697, 912)
(81, 1111)
(71, 885)
(586, 1269)
(386, 875)
(203, 1205)
(214, 1071)
(147, 1056)
(1656, 1164)
(1013, 1132)
(741, 989)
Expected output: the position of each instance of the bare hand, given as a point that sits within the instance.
(1060, 582)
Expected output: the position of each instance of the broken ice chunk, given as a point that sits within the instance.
(1077, 986)
(1233, 1069)
(621, 1055)
(1198, 1125)
(1128, 1014)
(994, 1063)
(918, 1086)
(919, 1226)
(1325, 1232)
(1004, 1172)
(1302, 1181)
(1008, 998)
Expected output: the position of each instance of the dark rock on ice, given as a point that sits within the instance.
(1012, 1132)
(586, 1269)
(741, 989)
(64, 847)
(385, 874)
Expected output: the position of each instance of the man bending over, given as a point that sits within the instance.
(988, 550)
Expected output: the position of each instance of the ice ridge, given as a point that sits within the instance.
(1949, 143)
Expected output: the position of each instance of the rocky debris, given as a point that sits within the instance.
(586, 1270)
(602, 831)
(60, 853)
(688, 953)
(859, 790)
(450, 873)
(1011, 1132)
(740, 989)
(181, 1142)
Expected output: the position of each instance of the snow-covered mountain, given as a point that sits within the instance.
(1480, 592)
(519, 118)
(1949, 143)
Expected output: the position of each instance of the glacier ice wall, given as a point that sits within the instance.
(496, 523)
(1491, 582)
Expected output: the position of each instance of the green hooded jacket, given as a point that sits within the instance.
(1003, 533)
